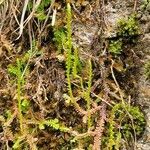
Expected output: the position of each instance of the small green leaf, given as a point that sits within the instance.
(17, 144)
(41, 126)
(25, 104)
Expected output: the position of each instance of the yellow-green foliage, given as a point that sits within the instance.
(68, 50)
(128, 27)
(76, 69)
(120, 124)
(138, 120)
(60, 39)
(115, 47)
(114, 136)
(20, 70)
(145, 4)
(79, 90)
(53, 123)
(17, 144)
(40, 12)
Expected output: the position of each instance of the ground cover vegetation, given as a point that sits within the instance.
(51, 97)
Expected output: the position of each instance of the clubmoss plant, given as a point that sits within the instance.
(76, 69)
(68, 50)
(111, 129)
(20, 71)
(91, 91)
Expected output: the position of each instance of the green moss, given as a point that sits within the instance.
(127, 30)
(125, 115)
(124, 122)
(145, 5)
(115, 47)
(138, 119)
(40, 12)
(128, 27)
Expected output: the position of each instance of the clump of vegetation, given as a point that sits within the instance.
(134, 122)
(145, 5)
(60, 39)
(115, 47)
(92, 103)
(19, 70)
(54, 123)
(40, 11)
(147, 69)
(128, 27)
(124, 122)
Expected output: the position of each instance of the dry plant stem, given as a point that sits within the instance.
(88, 94)
(99, 128)
(82, 135)
(30, 34)
(49, 11)
(3, 11)
(33, 11)
(31, 140)
(103, 100)
(135, 5)
(114, 78)
(22, 18)
(14, 12)
(24, 23)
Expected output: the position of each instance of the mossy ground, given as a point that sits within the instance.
(53, 97)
